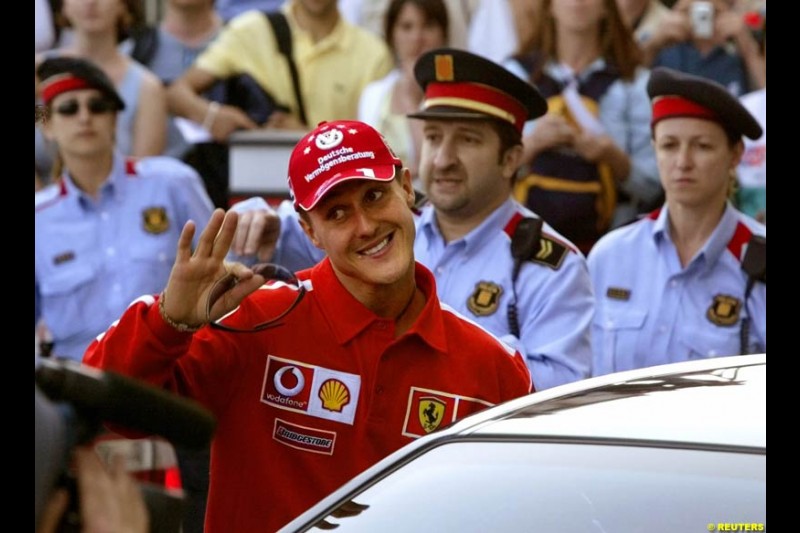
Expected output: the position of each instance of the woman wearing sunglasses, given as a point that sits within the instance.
(364, 363)
(106, 230)
(97, 27)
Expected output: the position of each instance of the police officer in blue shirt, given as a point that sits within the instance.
(493, 261)
(106, 232)
(689, 280)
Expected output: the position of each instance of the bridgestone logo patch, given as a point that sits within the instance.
(304, 438)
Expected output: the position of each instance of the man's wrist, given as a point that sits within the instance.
(183, 328)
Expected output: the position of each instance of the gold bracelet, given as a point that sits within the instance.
(183, 328)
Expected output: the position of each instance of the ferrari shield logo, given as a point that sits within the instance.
(428, 410)
(155, 220)
(486, 298)
(431, 412)
(724, 310)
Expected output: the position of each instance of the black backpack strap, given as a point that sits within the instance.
(145, 45)
(283, 35)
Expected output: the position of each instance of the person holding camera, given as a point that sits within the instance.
(709, 38)
(316, 376)
(689, 280)
(642, 16)
(110, 499)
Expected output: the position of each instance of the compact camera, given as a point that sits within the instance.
(701, 14)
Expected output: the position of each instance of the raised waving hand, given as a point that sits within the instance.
(195, 273)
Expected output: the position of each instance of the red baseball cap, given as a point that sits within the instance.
(335, 152)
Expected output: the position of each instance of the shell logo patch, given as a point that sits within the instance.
(334, 395)
(485, 299)
(155, 220)
(310, 390)
(724, 310)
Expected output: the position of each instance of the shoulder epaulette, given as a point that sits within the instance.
(50, 196)
(551, 252)
(130, 166)
(741, 236)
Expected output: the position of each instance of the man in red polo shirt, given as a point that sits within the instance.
(365, 360)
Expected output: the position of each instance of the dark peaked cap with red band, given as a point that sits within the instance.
(58, 75)
(677, 94)
(462, 85)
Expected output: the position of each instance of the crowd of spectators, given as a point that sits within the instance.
(116, 172)
(190, 44)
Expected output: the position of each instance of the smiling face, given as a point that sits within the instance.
(367, 229)
(462, 170)
(695, 161)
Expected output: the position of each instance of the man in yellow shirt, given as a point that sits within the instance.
(334, 59)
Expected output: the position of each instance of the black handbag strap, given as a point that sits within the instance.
(145, 45)
(283, 35)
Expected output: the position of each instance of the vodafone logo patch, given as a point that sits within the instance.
(290, 391)
(285, 384)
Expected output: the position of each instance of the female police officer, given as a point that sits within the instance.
(689, 280)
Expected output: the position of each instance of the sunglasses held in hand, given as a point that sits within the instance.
(271, 273)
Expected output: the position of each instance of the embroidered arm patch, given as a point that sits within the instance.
(551, 253)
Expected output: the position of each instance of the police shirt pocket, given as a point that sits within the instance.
(620, 331)
(65, 280)
(158, 251)
(66, 298)
(149, 266)
(703, 343)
